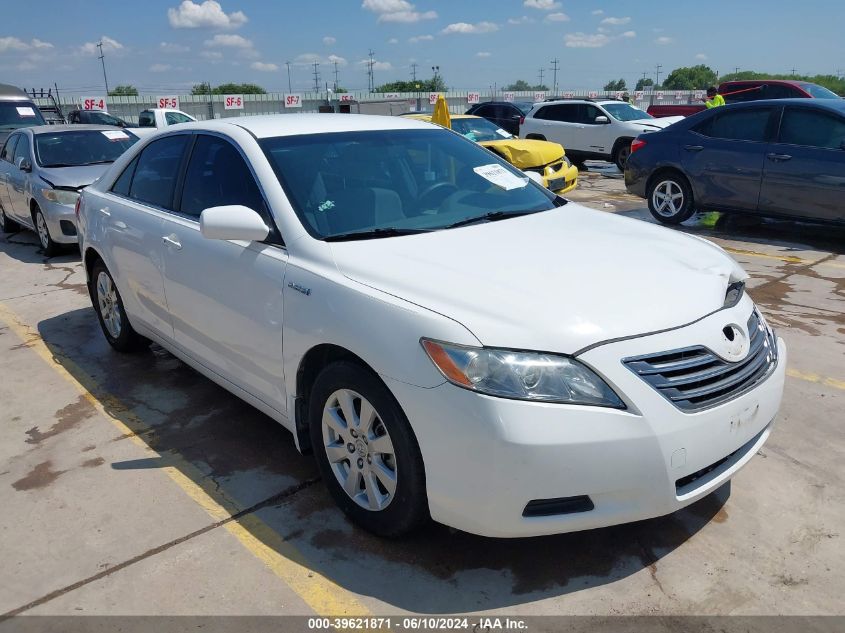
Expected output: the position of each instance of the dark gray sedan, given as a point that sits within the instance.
(43, 169)
(777, 158)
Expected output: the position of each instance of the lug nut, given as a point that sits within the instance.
(353, 433)
(369, 459)
(350, 447)
(360, 463)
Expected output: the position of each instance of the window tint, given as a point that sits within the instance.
(158, 166)
(484, 110)
(567, 113)
(9, 148)
(146, 119)
(217, 175)
(176, 117)
(808, 127)
(22, 149)
(739, 125)
(589, 113)
(121, 185)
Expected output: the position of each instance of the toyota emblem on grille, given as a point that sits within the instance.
(735, 342)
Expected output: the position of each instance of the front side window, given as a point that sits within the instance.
(589, 114)
(83, 147)
(819, 92)
(17, 114)
(397, 181)
(738, 125)
(176, 117)
(802, 126)
(9, 148)
(158, 166)
(22, 149)
(217, 175)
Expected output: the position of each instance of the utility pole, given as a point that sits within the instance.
(103, 62)
(541, 77)
(435, 70)
(335, 75)
(555, 63)
(793, 71)
(414, 72)
(316, 77)
(371, 83)
(657, 75)
(289, 87)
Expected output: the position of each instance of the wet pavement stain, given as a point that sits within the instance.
(39, 477)
(93, 463)
(68, 417)
(79, 288)
(90, 447)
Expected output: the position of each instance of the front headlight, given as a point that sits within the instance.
(521, 375)
(61, 196)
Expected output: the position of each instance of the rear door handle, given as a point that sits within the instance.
(105, 211)
(778, 157)
(172, 240)
(693, 148)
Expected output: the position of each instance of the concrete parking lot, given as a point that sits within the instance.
(133, 485)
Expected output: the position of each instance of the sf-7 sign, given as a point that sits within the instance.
(293, 101)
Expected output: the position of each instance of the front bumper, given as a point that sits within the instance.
(560, 177)
(61, 220)
(486, 458)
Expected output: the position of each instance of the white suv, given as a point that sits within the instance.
(590, 129)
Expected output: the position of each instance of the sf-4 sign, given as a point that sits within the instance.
(233, 102)
(169, 103)
(293, 101)
(93, 103)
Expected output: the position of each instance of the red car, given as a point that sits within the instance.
(750, 90)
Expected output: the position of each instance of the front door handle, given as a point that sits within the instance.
(778, 157)
(693, 148)
(105, 211)
(172, 240)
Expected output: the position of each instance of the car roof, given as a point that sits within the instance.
(270, 125)
(836, 105)
(787, 82)
(12, 93)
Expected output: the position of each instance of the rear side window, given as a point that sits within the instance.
(811, 128)
(567, 113)
(121, 185)
(176, 117)
(9, 148)
(158, 167)
(217, 175)
(739, 125)
(146, 119)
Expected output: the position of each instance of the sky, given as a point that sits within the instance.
(166, 46)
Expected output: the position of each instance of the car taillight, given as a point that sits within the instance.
(637, 144)
(76, 208)
(521, 120)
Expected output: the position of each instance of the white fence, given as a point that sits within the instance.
(217, 106)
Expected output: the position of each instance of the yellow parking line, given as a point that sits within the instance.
(281, 557)
(822, 380)
(789, 259)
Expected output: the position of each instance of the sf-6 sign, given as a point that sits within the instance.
(93, 103)
(169, 103)
(233, 102)
(293, 101)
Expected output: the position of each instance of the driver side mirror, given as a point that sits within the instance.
(601, 119)
(23, 164)
(233, 222)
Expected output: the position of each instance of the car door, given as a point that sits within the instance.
(594, 136)
(804, 172)
(560, 123)
(134, 211)
(6, 167)
(18, 183)
(508, 118)
(225, 297)
(723, 157)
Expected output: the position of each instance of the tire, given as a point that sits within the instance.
(49, 247)
(387, 489)
(8, 225)
(110, 312)
(621, 153)
(580, 163)
(678, 206)
(535, 137)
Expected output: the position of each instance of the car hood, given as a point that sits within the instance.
(72, 177)
(555, 281)
(525, 153)
(660, 123)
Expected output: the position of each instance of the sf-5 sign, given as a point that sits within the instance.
(168, 103)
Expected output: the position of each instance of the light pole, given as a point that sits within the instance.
(103, 61)
(435, 70)
(289, 88)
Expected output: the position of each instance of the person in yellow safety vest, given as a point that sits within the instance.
(714, 99)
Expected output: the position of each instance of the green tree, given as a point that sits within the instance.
(613, 86)
(421, 85)
(642, 84)
(124, 90)
(691, 78)
(228, 89)
(519, 85)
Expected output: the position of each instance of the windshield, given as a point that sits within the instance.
(83, 147)
(524, 107)
(625, 112)
(347, 182)
(478, 130)
(819, 92)
(17, 114)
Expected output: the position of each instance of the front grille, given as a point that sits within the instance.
(694, 378)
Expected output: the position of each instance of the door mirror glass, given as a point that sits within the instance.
(233, 222)
(602, 119)
(23, 164)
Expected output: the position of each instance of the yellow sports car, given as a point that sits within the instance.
(542, 157)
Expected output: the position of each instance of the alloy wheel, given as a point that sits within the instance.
(43, 232)
(107, 302)
(668, 198)
(359, 450)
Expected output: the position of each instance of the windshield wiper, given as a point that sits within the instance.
(493, 216)
(388, 231)
(96, 162)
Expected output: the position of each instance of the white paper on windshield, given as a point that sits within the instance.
(501, 132)
(500, 177)
(25, 111)
(115, 135)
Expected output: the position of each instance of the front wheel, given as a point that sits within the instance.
(620, 156)
(366, 451)
(670, 199)
(111, 314)
(49, 247)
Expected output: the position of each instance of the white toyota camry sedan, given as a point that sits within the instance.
(447, 337)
